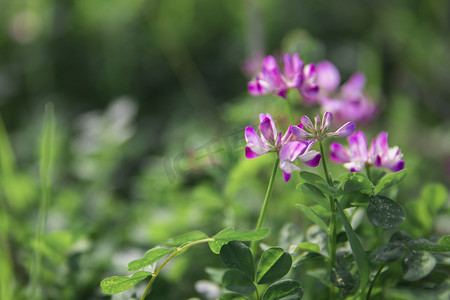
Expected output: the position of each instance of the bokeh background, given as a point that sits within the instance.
(151, 103)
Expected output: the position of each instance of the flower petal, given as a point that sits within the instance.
(307, 124)
(311, 158)
(345, 130)
(288, 167)
(254, 142)
(292, 150)
(249, 153)
(338, 153)
(358, 146)
(354, 86)
(299, 133)
(328, 76)
(267, 133)
(327, 119)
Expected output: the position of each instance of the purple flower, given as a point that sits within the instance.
(381, 155)
(296, 76)
(321, 128)
(357, 156)
(301, 150)
(347, 103)
(287, 146)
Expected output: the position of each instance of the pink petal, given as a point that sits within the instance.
(311, 158)
(338, 153)
(300, 134)
(327, 119)
(328, 76)
(307, 124)
(249, 153)
(346, 129)
(354, 85)
(292, 150)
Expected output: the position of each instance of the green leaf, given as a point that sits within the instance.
(389, 180)
(229, 234)
(313, 256)
(423, 211)
(387, 253)
(355, 182)
(236, 281)
(274, 264)
(236, 255)
(317, 181)
(315, 194)
(118, 284)
(342, 278)
(353, 199)
(186, 238)
(417, 264)
(400, 237)
(150, 257)
(284, 289)
(231, 296)
(384, 212)
(357, 249)
(311, 215)
(308, 246)
(445, 240)
(424, 244)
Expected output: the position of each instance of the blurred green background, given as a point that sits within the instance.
(151, 104)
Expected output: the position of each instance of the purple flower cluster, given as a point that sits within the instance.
(295, 144)
(357, 156)
(296, 75)
(317, 85)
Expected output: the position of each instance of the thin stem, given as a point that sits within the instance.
(46, 160)
(324, 164)
(332, 227)
(263, 212)
(369, 293)
(180, 249)
(368, 171)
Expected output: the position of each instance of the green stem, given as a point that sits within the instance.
(175, 253)
(46, 160)
(263, 212)
(368, 171)
(332, 227)
(372, 284)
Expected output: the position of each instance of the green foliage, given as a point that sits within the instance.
(118, 284)
(389, 180)
(422, 211)
(236, 255)
(384, 212)
(273, 265)
(236, 281)
(310, 214)
(355, 244)
(151, 256)
(229, 234)
(284, 289)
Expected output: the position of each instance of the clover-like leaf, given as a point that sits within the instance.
(229, 234)
(308, 246)
(312, 256)
(342, 278)
(355, 182)
(232, 296)
(311, 215)
(315, 194)
(236, 281)
(284, 289)
(118, 284)
(389, 180)
(400, 237)
(384, 212)
(273, 265)
(387, 253)
(424, 244)
(317, 181)
(151, 256)
(417, 264)
(237, 255)
(186, 238)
